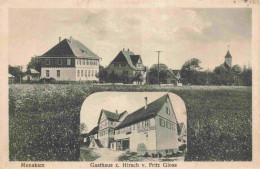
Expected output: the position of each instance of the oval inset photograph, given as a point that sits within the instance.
(133, 126)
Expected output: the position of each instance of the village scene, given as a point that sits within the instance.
(177, 87)
(70, 61)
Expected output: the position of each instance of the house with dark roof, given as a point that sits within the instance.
(103, 133)
(129, 66)
(70, 60)
(151, 129)
(173, 76)
(32, 74)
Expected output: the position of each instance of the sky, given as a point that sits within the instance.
(181, 34)
(121, 101)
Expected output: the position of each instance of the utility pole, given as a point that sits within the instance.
(158, 66)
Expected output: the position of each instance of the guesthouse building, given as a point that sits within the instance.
(151, 129)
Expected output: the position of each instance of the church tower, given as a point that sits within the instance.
(228, 60)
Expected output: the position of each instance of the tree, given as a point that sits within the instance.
(34, 64)
(246, 76)
(153, 73)
(102, 74)
(221, 76)
(189, 71)
(17, 72)
(83, 128)
(235, 74)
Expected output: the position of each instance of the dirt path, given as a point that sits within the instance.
(107, 154)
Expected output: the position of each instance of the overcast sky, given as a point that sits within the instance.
(125, 101)
(180, 34)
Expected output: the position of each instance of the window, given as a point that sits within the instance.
(167, 110)
(78, 73)
(59, 61)
(47, 61)
(145, 123)
(168, 124)
(95, 72)
(162, 122)
(92, 73)
(86, 72)
(149, 122)
(80, 61)
(83, 62)
(89, 73)
(138, 125)
(68, 61)
(58, 73)
(116, 64)
(87, 62)
(123, 64)
(47, 73)
(81, 73)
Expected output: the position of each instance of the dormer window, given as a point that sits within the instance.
(59, 62)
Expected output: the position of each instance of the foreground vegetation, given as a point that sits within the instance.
(44, 121)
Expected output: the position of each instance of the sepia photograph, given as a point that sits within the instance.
(157, 129)
(153, 84)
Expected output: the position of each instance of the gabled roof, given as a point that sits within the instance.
(174, 73)
(93, 131)
(128, 57)
(73, 48)
(135, 58)
(33, 71)
(228, 55)
(98, 143)
(110, 115)
(141, 114)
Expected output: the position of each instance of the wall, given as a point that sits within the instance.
(166, 138)
(139, 137)
(67, 74)
(86, 77)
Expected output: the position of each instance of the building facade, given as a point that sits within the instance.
(173, 77)
(151, 129)
(70, 60)
(129, 66)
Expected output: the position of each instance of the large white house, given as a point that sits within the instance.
(151, 129)
(70, 60)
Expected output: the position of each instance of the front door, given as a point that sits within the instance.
(125, 144)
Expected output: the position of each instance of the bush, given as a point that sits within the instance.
(146, 155)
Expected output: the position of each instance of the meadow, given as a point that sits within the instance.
(44, 120)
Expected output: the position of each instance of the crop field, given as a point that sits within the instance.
(44, 120)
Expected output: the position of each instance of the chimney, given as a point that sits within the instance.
(128, 49)
(145, 103)
(71, 39)
(59, 39)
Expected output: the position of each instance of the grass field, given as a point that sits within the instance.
(44, 121)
